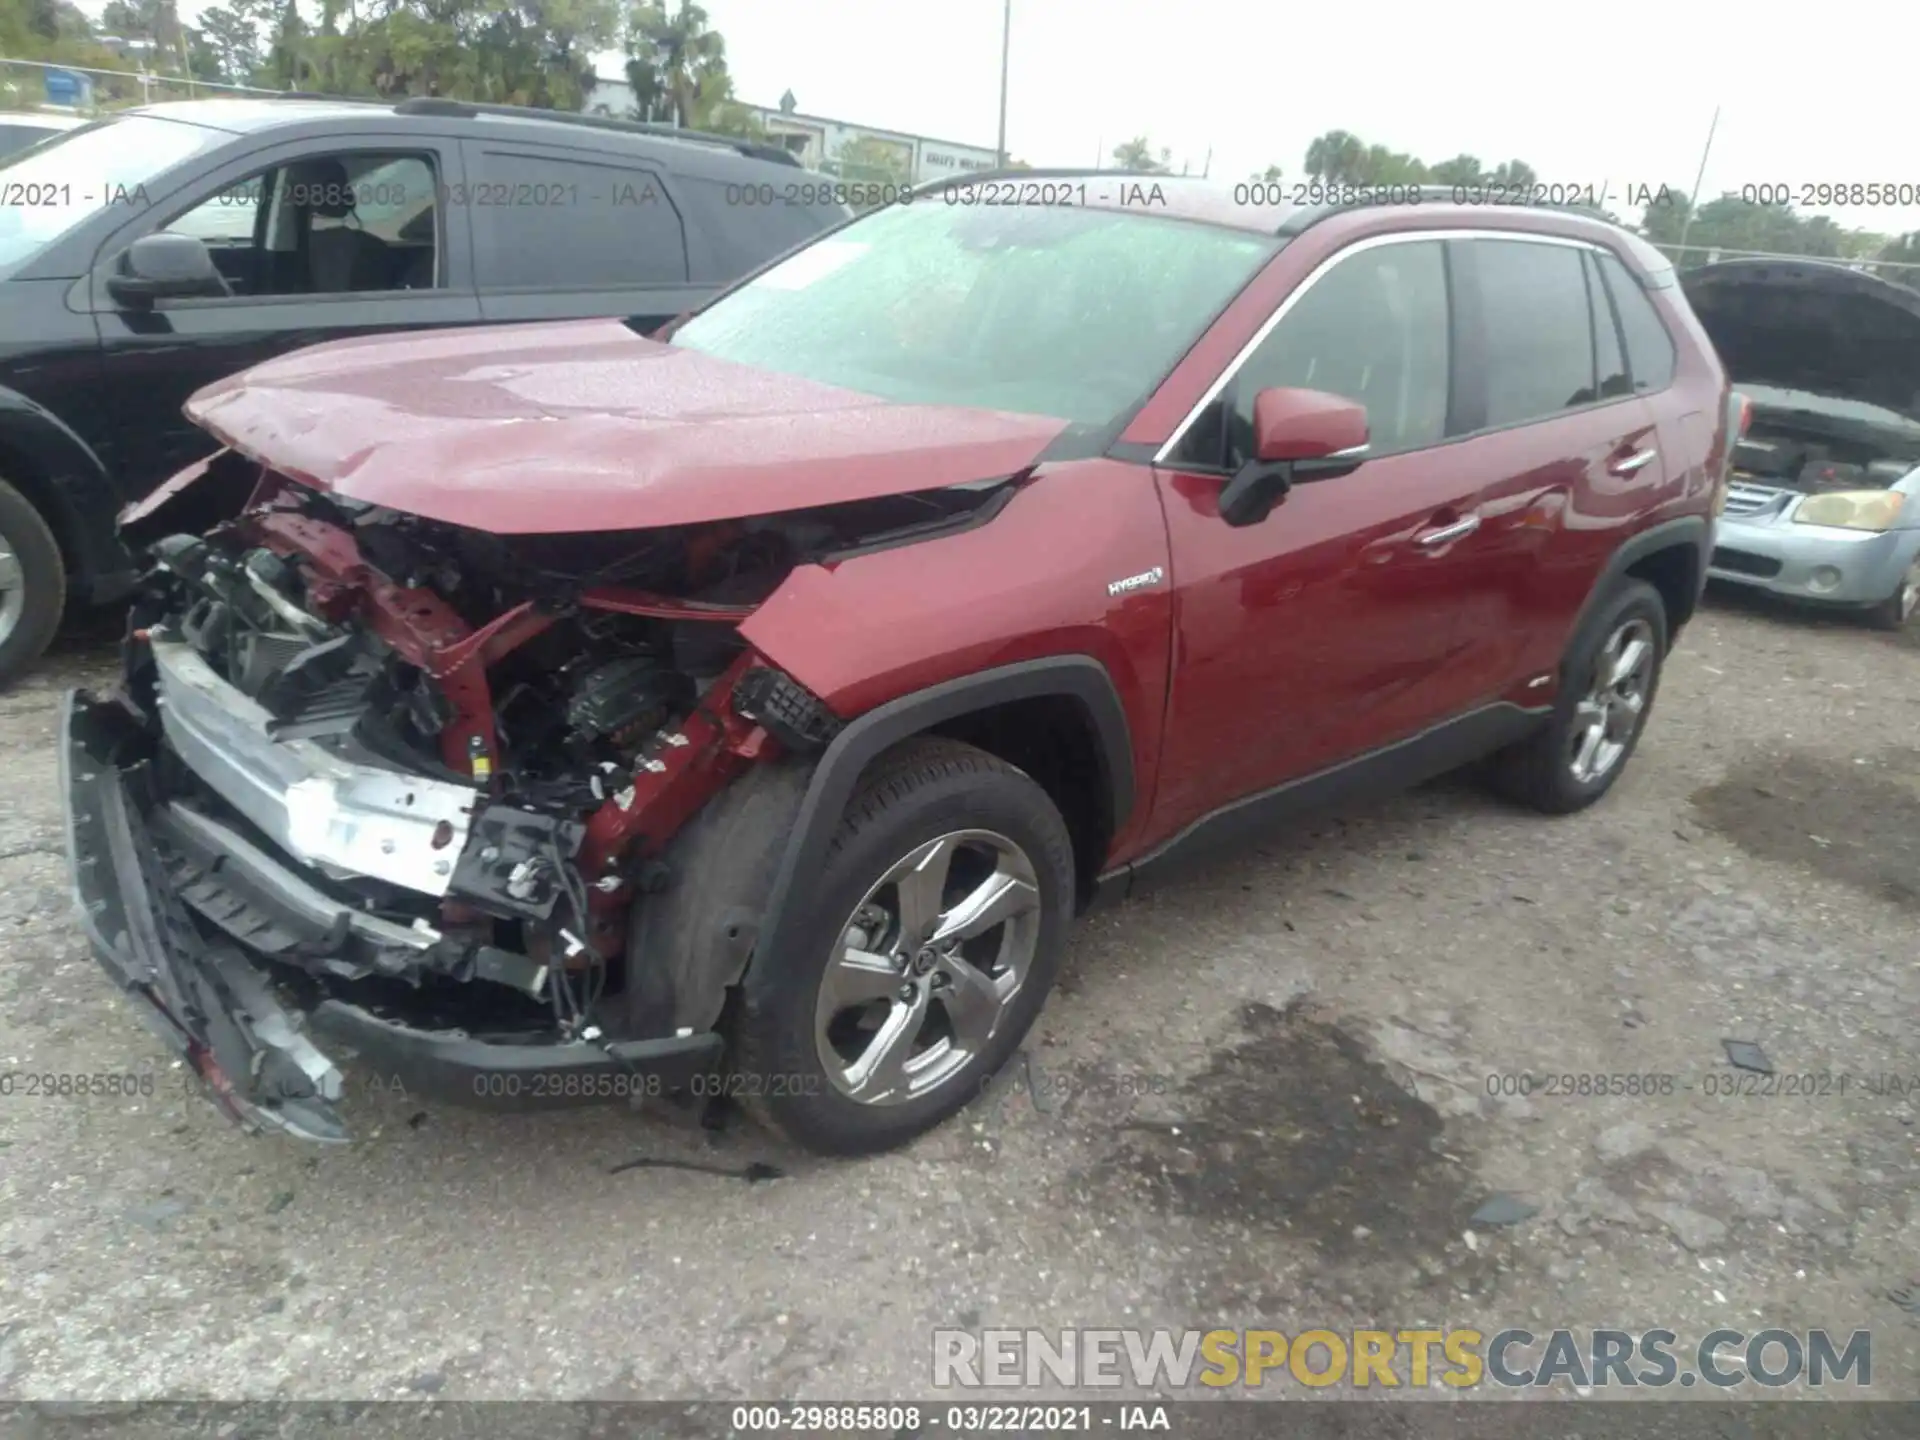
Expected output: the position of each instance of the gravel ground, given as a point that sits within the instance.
(1260, 1098)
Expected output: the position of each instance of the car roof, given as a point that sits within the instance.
(1181, 197)
(1244, 206)
(679, 149)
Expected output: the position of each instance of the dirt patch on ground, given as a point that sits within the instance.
(1855, 821)
(1299, 1129)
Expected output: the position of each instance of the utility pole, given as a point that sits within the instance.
(1006, 43)
(1693, 200)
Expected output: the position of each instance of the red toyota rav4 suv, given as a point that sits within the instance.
(548, 713)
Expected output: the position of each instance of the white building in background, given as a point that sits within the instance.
(818, 143)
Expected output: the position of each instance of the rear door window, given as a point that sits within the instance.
(1538, 329)
(1649, 346)
(549, 221)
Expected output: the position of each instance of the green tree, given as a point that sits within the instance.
(1137, 154)
(1267, 176)
(1460, 170)
(676, 62)
(1381, 166)
(54, 31)
(1896, 256)
(872, 161)
(1337, 157)
(235, 35)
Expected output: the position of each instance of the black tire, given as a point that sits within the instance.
(914, 793)
(1893, 612)
(43, 584)
(1535, 772)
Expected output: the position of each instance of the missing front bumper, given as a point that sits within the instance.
(217, 1010)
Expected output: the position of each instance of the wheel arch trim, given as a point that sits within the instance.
(1077, 677)
(1694, 531)
(68, 483)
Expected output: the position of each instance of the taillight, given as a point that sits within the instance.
(1739, 417)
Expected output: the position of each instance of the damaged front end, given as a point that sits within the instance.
(381, 786)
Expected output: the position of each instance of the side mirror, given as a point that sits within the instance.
(163, 267)
(1298, 435)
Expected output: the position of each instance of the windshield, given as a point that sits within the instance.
(1070, 312)
(51, 188)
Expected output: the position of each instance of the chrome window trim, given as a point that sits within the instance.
(1371, 242)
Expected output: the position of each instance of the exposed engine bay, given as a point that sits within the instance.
(1790, 453)
(429, 769)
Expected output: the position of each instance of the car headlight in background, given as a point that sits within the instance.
(1851, 509)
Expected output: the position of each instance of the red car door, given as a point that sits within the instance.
(1569, 453)
(1334, 626)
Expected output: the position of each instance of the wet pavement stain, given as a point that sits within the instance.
(1856, 820)
(1297, 1131)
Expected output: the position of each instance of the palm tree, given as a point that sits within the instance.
(672, 59)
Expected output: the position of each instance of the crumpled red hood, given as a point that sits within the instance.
(583, 425)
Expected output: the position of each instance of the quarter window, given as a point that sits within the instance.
(1539, 329)
(550, 224)
(1374, 329)
(1649, 346)
(1612, 361)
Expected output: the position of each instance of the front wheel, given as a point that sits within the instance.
(1893, 612)
(938, 925)
(33, 583)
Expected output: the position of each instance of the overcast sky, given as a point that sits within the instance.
(1588, 100)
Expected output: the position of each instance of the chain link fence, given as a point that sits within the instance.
(83, 90)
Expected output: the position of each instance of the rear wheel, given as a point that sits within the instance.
(1893, 612)
(1606, 693)
(33, 584)
(941, 914)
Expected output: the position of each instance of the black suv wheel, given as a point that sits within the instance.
(33, 583)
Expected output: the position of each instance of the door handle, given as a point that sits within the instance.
(1459, 530)
(1633, 464)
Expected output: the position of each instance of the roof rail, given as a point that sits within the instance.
(436, 105)
(1367, 195)
(1051, 172)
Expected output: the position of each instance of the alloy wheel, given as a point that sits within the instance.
(927, 966)
(13, 589)
(1605, 719)
(1909, 593)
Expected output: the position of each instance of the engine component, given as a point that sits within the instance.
(624, 699)
(509, 864)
